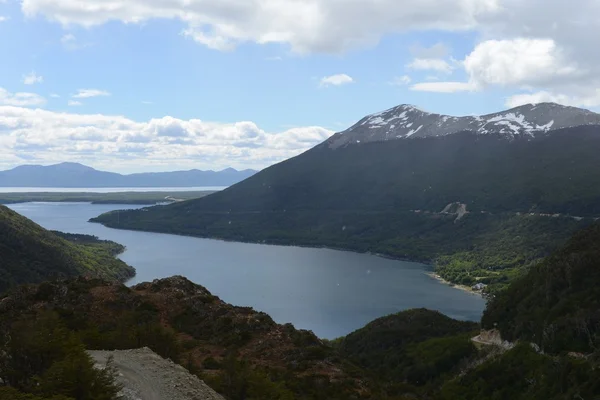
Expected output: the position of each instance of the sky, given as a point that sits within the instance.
(159, 85)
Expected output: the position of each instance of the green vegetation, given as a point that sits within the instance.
(523, 374)
(40, 357)
(30, 254)
(550, 313)
(144, 198)
(556, 304)
(363, 198)
(245, 355)
(415, 346)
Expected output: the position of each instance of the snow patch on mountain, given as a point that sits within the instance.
(524, 121)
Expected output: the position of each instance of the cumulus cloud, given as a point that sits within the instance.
(87, 93)
(443, 87)
(46, 136)
(3, 18)
(521, 48)
(307, 26)
(22, 99)
(32, 78)
(336, 80)
(431, 64)
(590, 99)
(74, 103)
(518, 62)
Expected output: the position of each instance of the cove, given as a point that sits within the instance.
(330, 292)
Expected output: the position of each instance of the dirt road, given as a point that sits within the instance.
(147, 376)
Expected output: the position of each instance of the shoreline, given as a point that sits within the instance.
(454, 285)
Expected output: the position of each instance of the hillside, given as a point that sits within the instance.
(69, 175)
(388, 197)
(557, 304)
(244, 355)
(239, 352)
(415, 345)
(31, 254)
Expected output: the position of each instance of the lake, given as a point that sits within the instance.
(329, 292)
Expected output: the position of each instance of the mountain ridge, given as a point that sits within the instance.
(69, 174)
(409, 122)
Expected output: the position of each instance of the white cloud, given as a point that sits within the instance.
(47, 136)
(147, 102)
(87, 93)
(401, 80)
(443, 87)
(54, 95)
(431, 64)
(521, 48)
(518, 62)
(307, 26)
(74, 103)
(336, 80)
(21, 99)
(3, 18)
(591, 99)
(32, 78)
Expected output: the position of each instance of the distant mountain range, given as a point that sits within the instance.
(478, 196)
(70, 175)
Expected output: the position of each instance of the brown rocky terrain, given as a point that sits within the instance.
(184, 322)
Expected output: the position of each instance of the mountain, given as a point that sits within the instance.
(31, 254)
(481, 206)
(407, 121)
(77, 175)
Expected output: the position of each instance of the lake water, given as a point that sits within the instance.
(108, 190)
(330, 292)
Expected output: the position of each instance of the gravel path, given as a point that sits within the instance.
(147, 376)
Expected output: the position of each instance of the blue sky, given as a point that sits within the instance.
(151, 85)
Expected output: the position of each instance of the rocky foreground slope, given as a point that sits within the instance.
(147, 376)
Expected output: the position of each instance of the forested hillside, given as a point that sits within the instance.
(557, 304)
(32, 254)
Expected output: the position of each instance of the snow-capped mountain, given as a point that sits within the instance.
(408, 122)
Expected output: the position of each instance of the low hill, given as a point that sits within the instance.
(70, 175)
(557, 304)
(415, 345)
(32, 254)
(238, 351)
